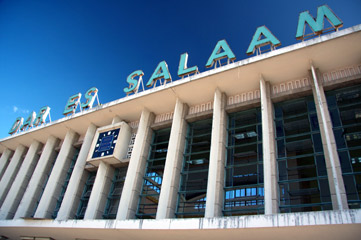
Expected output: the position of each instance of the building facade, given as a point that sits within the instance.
(266, 147)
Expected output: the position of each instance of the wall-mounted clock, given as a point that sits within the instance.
(106, 143)
(110, 144)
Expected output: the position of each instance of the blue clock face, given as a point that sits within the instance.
(106, 143)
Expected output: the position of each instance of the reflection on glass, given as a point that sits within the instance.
(111, 207)
(244, 193)
(303, 183)
(194, 174)
(345, 110)
(153, 177)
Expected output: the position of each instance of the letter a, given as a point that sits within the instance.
(217, 53)
(257, 42)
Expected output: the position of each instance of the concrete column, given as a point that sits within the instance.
(271, 197)
(56, 179)
(17, 190)
(173, 164)
(98, 196)
(116, 119)
(334, 171)
(101, 187)
(11, 172)
(28, 202)
(215, 185)
(4, 161)
(77, 180)
(133, 181)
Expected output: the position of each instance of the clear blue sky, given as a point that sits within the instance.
(50, 50)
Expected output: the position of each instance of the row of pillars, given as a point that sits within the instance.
(21, 181)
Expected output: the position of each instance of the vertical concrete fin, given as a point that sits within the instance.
(72, 194)
(98, 196)
(173, 163)
(133, 181)
(17, 190)
(271, 200)
(215, 184)
(4, 161)
(334, 172)
(34, 188)
(56, 179)
(11, 172)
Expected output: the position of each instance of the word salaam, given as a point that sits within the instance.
(222, 52)
(262, 37)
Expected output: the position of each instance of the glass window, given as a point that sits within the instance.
(303, 182)
(244, 193)
(112, 204)
(194, 173)
(65, 184)
(84, 199)
(345, 110)
(152, 180)
(47, 175)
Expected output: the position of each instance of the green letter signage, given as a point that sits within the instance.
(133, 83)
(29, 121)
(41, 117)
(16, 125)
(258, 41)
(183, 69)
(160, 72)
(72, 103)
(318, 24)
(218, 54)
(89, 98)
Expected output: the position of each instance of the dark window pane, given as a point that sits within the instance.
(153, 176)
(345, 110)
(301, 164)
(244, 194)
(194, 174)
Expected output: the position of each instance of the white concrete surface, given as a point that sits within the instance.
(333, 225)
(215, 185)
(56, 179)
(173, 164)
(17, 189)
(11, 172)
(334, 171)
(33, 191)
(134, 178)
(77, 180)
(271, 196)
(4, 161)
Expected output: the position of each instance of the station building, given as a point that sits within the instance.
(264, 148)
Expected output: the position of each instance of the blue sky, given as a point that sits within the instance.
(51, 50)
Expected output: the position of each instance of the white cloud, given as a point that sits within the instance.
(20, 110)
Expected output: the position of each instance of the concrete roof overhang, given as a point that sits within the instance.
(326, 53)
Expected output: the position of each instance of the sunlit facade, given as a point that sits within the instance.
(266, 146)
